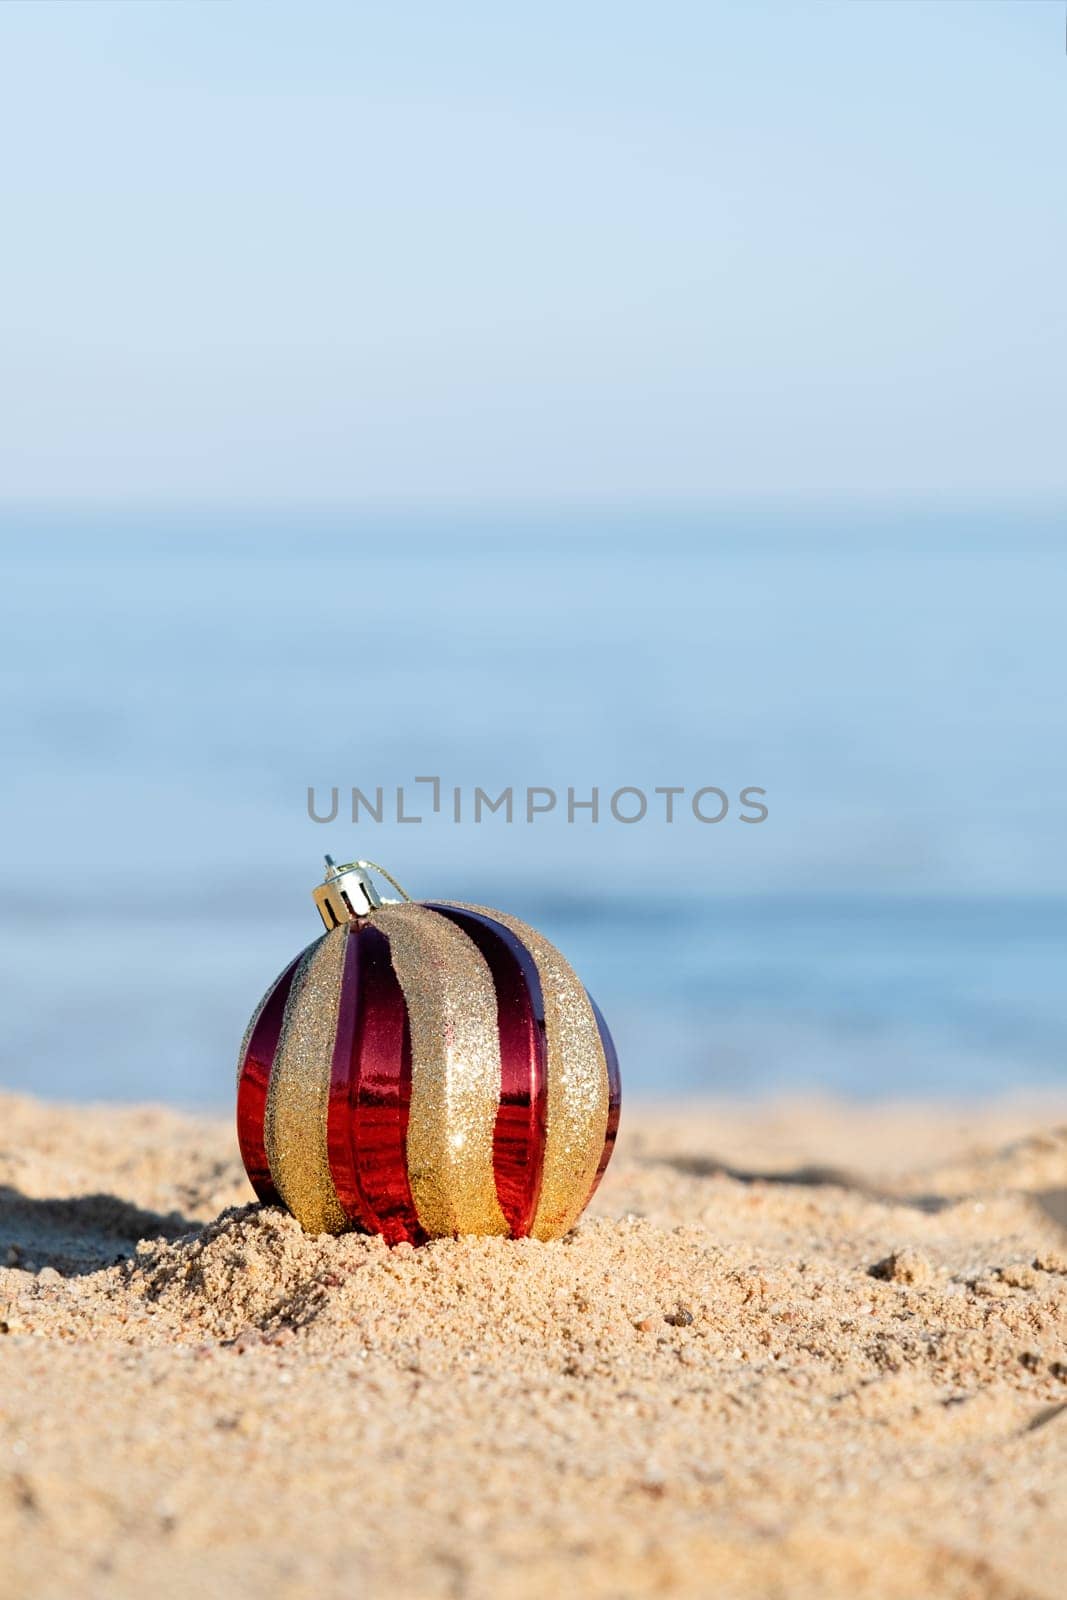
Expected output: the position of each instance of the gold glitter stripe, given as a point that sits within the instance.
(455, 1070)
(577, 1112)
(298, 1095)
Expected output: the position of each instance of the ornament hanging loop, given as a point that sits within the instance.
(347, 891)
(374, 867)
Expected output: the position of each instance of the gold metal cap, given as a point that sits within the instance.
(347, 891)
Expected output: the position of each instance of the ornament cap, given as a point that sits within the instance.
(347, 892)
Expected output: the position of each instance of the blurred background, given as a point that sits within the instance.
(581, 397)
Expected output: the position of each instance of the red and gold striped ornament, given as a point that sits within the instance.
(425, 1070)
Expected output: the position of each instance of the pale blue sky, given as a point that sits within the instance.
(478, 252)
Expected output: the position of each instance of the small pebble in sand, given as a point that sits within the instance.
(904, 1266)
(680, 1317)
(1018, 1277)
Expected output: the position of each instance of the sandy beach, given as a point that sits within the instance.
(796, 1350)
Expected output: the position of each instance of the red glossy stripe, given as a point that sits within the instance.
(614, 1094)
(252, 1087)
(519, 1131)
(379, 1093)
(344, 1166)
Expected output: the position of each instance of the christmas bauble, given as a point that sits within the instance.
(425, 1070)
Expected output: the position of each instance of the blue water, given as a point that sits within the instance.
(170, 687)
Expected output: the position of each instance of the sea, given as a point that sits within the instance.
(182, 692)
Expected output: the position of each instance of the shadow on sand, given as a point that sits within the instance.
(1053, 1202)
(79, 1235)
(805, 1177)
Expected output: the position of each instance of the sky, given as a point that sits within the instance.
(346, 253)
